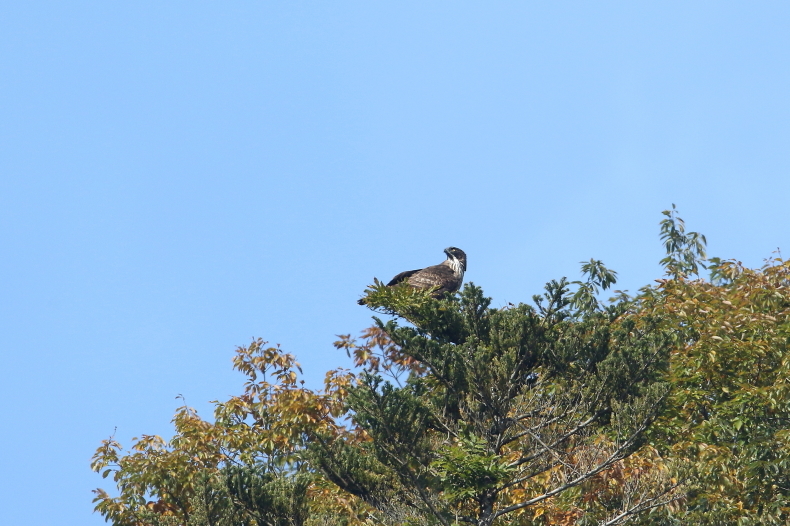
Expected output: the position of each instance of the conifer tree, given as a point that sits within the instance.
(488, 415)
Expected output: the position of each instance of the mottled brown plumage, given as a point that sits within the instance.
(447, 276)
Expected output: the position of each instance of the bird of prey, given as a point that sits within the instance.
(446, 277)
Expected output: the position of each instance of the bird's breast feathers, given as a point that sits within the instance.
(458, 268)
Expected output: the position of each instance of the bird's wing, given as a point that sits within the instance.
(441, 276)
(402, 276)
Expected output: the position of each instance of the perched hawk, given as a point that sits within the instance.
(447, 275)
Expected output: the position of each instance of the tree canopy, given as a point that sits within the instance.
(666, 407)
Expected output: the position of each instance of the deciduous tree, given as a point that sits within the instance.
(666, 408)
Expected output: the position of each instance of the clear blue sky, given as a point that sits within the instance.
(179, 177)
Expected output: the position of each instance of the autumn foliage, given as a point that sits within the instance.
(668, 407)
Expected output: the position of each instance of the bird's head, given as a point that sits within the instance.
(456, 254)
